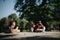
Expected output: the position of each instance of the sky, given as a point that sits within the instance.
(6, 8)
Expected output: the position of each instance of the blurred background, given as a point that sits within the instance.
(26, 12)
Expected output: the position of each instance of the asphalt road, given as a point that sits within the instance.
(30, 36)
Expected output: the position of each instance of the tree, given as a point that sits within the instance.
(45, 11)
(4, 25)
(4, 22)
(32, 12)
(12, 16)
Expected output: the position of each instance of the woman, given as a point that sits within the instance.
(32, 27)
(41, 27)
(13, 28)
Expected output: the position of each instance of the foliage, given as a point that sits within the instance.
(4, 25)
(4, 22)
(47, 11)
(12, 16)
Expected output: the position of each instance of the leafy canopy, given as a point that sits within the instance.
(35, 10)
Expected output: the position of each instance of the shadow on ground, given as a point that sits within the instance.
(33, 38)
(3, 36)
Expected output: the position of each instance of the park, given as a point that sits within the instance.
(30, 20)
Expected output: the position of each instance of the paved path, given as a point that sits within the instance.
(30, 35)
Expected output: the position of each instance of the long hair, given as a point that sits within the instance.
(11, 24)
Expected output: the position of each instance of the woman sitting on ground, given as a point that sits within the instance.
(40, 27)
(32, 27)
(13, 28)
